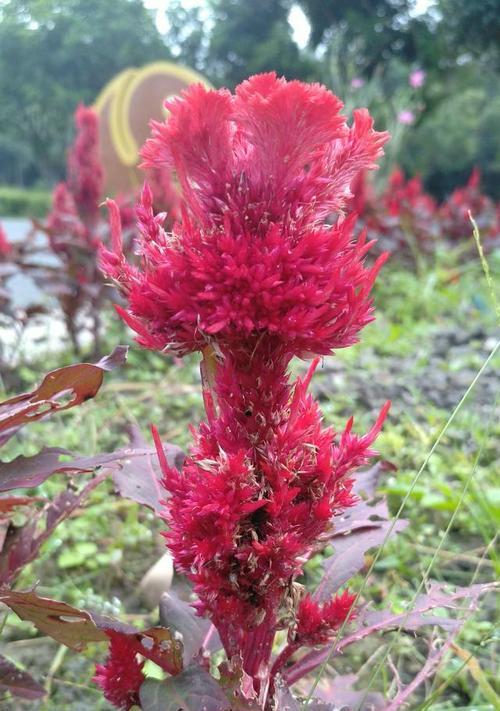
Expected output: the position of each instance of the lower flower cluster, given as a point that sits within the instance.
(256, 497)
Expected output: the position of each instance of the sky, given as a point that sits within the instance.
(297, 19)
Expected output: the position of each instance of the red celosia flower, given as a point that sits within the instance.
(260, 172)
(253, 275)
(259, 489)
(405, 215)
(454, 213)
(85, 172)
(404, 198)
(5, 245)
(316, 622)
(64, 226)
(121, 676)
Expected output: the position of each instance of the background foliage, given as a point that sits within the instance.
(55, 53)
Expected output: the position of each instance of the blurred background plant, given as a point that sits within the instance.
(428, 70)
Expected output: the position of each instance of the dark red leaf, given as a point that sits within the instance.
(59, 390)
(340, 691)
(139, 475)
(366, 481)
(180, 616)
(22, 545)
(28, 472)
(75, 628)
(19, 682)
(192, 690)
(364, 514)
(7, 503)
(136, 472)
(66, 624)
(349, 556)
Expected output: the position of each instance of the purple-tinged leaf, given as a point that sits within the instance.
(180, 616)
(341, 692)
(238, 686)
(372, 622)
(23, 544)
(431, 663)
(367, 513)
(193, 690)
(435, 598)
(362, 515)
(59, 390)
(139, 475)
(19, 682)
(28, 472)
(136, 472)
(366, 481)
(114, 360)
(349, 556)
(285, 701)
(76, 628)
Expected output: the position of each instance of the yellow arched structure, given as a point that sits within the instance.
(125, 106)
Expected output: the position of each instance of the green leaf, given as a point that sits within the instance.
(77, 554)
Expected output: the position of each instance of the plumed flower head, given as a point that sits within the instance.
(316, 622)
(121, 676)
(260, 172)
(85, 172)
(259, 489)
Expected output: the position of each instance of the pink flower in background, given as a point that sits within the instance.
(357, 83)
(406, 117)
(417, 78)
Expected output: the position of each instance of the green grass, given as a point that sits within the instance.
(98, 558)
(23, 202)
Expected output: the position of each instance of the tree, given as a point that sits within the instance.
(473, 26)
(252, 37)
(56, 53)
(364, 35)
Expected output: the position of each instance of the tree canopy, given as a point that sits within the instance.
(54, 54)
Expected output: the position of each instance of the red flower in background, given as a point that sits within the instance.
(121, 676)
(63, 220)
(85, 171)
(454, 213)
(73, 222)
(5, 245)
(407, 198)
